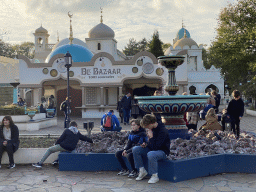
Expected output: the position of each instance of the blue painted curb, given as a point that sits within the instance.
(170, 170)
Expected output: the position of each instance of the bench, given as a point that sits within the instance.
(170, 170)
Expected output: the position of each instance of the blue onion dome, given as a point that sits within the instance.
(180, 33)
(67, 41)
(78, 52)
(101, 31)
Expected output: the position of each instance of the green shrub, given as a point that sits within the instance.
(15, 110)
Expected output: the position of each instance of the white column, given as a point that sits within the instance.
(83, 96)
(120, 92)
(101, 96)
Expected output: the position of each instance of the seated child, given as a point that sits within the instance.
(136, 137)
(211, 121)
(225, 120)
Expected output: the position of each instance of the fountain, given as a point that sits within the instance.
(172, 107)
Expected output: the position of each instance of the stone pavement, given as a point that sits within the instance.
(49, 179)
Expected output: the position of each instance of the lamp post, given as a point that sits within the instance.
(68, 64)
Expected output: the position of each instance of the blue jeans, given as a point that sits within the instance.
(126, 115)
(139, 153)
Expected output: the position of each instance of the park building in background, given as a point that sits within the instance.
(100, 73)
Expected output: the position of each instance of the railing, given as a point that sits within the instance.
(49, 46)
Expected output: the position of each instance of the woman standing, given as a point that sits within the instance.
(9, 139)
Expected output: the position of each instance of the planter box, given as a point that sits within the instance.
(26, 118)
(250, 112)
(40, 121)
(29, 155)
(175, 171)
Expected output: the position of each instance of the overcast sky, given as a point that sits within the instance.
(128, 18)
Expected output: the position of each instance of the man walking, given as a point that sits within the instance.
(126, 104)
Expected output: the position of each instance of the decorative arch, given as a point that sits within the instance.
(192, 90)
(40, 41)
(211, 87)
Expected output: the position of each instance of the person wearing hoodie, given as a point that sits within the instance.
(136, 137)
(67, 142)
(109, 122)
(157, 147)
(236, 111)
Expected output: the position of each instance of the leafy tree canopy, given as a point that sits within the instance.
(155, 46)
(26, 48)
(234, 47)
(134, 47)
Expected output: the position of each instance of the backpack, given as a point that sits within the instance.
(63, 106)
(108, 122)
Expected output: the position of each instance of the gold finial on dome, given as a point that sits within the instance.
(185, 33)
(182, 25)
(101, 17)
(71, 32)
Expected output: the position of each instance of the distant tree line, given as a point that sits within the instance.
(25, 48)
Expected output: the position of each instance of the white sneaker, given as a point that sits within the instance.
(143, 173)
(154, 178)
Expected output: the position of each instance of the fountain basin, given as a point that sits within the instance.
(172, 110)
(173, 105)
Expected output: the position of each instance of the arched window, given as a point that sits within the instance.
(192, 90)
(99, 46)
(40, 41)
(210, 88)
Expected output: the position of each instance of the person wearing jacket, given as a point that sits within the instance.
(236, 111)
(9, 139)
(211, 121)
(126, 104)
(136, 137)
(67, 142)
(115, 122)
(120, 109)
(157, 148)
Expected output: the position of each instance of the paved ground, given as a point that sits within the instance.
(49, 179)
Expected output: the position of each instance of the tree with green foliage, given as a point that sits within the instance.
(134, 47)
(26, 48)
(6, 49)
(205, 54)
(131, 48)
(234, 47)
(155, 45)
(165, 46)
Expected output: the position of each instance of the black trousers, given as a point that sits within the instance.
(122, 162)
(9, 148)
(235, 124)
(192, 126)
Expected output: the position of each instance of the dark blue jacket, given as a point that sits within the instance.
(136, 138)
(114, 119)
(126, 102)
(68, 140)
(160, 139)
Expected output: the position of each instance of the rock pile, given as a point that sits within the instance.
(202, 143)
(107, 142)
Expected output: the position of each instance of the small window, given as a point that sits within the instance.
(99, 46)
(40, 41)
